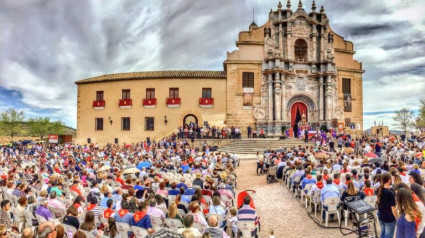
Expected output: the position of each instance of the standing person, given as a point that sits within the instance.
(305, 135)
(249, 129)
(386, 207)
(410, 215)
(260, 162)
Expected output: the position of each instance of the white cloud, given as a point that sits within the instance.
(48, 45)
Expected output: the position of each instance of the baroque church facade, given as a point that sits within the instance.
(293, 72)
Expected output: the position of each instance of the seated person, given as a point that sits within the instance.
(109, 212)
(89, 225)
(213, 228)
(247, 213)
(188, 221)
(71, 217)
(351, 192)
(142, 219)
(94, 207)
(367, 190)
(43, 211)
(123, 215)
(173, 191)
(153, 211)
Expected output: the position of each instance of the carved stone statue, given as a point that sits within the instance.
(303, 118)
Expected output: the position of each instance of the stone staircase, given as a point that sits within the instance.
(248, 147)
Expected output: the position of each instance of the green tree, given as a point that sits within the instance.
(403, 119)
(43, 126)
(11, 121)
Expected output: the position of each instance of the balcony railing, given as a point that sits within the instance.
(99, 104)
(125, 103)
(173, 102)
(206, 102)
(149, 102)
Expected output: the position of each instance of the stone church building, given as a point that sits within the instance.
(292, 72)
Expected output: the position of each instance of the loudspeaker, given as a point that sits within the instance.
(88, 140)
(116, 140)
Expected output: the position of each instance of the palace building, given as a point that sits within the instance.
(292, 72)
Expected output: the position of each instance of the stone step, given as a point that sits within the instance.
(250, 146)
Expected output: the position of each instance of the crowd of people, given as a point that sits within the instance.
(193, 130)
(160, 189)
(388, 172)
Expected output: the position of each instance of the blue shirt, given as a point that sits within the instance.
(173, 192)
(104, 201)
(125, 219)
(181, 185)
(144, 164)
(189, 191)
(144, 223)
(307, 181)
(329, 191)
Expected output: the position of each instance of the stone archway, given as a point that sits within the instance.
(311, 107)
(190, 118)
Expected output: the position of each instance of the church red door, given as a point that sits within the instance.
(297, 110)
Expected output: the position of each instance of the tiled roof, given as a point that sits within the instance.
(201, 74)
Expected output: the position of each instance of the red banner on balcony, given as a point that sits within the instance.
(206, 102)
(173, 102)
(100, 104)
(125, 103)
(149, 102)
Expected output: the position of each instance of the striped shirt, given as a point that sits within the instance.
(247, 213)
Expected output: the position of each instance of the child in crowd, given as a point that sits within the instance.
(232, 219)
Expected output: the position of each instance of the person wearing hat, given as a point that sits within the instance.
(43, 211)
(198, 181)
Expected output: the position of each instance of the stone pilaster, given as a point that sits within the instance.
(270, 97)
(277, 97)
(321, 109)
(283, 106)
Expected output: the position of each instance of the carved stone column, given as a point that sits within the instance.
(329, 98)
(277, 97)
(283, 106)
(270, 97)
(321, 109)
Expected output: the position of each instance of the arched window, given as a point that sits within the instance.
(300, 50)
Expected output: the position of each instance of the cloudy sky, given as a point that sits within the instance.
(47, 45)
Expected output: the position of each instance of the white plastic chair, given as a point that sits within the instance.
(69, 230)
(246, 228)
(315, 200)
(305, 191)
(123, 229)
(157, 223)
(139, 232)
(181, 212)
(332, 208)
(173, 224)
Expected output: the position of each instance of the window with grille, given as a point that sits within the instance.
(125, 123)
(150, 93)
(346, 91)
(99, 95)
(346, 86)
(248, 80)
(174, 92)
(126, 94)
(206, 93)
(300, 50)
(149, 123)
(98, 124)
